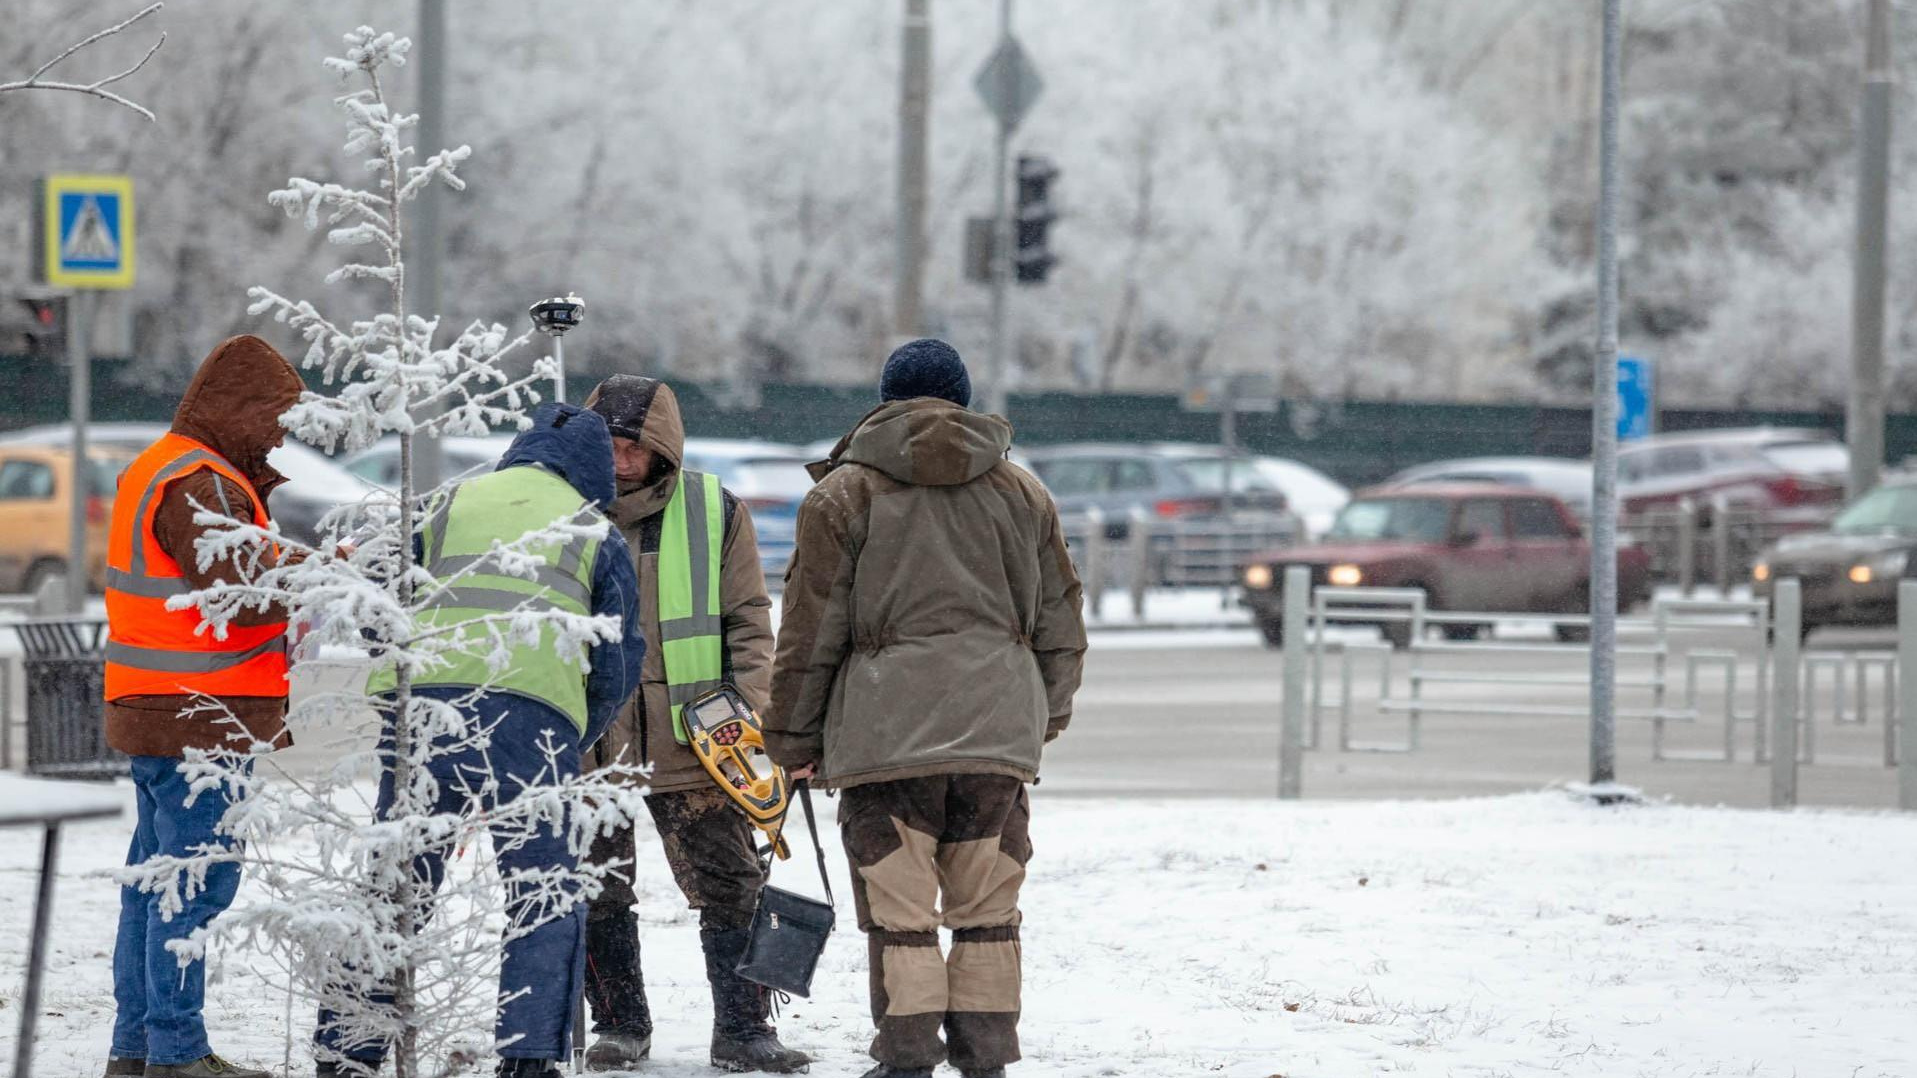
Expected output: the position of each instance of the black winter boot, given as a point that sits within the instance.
(886, 1070)
(989, 1072)
(742, 1038)
(615, 984)
(528, 1068)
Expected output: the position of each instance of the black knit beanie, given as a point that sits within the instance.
(926, 368)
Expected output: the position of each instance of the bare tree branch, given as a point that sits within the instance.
(97, 88)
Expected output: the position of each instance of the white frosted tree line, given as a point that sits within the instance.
(1367, 197)
(333, 902)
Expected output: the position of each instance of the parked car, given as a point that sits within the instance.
(1313, 495)
(1471, 547)
(1563, 478)
(1796, 475)
(770, 479)
(1167, 481)
(36, 512)
(1849, 570)
(463, 457)
(314, 484)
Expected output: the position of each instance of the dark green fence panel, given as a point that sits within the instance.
(1356, 441)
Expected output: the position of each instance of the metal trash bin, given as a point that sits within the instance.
(64, 662)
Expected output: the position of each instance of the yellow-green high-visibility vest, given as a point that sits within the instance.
(457, 537)
(690, 638)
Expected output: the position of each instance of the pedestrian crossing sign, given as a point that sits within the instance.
(86, 224)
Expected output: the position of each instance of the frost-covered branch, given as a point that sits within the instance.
(98, 87)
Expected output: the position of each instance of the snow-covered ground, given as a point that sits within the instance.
(1515, 936)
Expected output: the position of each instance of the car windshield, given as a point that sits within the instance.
(1208, 475)
(1886, 509)
(1809, 458)
(1421, 520)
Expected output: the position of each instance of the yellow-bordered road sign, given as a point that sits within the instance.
(86, 225)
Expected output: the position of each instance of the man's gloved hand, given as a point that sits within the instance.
(800, 774)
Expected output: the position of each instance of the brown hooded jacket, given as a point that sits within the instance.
(647, 411)
(233, 407)
(932, 620)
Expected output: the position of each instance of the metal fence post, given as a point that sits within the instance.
(1687, 547)
(1721, 543)
(1291, 732)
(1093, 553)
(1141, 538)
(1786, 631)
(1906, 695)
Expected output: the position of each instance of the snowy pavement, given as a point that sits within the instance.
(1497, 937)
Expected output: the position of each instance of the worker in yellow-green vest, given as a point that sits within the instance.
(558, 471)
(707, 621)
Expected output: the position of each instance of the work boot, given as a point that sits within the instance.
(988, 1072)
(618, 1051)
(528, 1068)
(125, 1067)
(742, 1039)
(207, 1066)
(615, 987)
(886, 1070)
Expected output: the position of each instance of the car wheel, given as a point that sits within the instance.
(1462, 632)
(1397, 634)
(1579, 602)
(1273, 631)
(40, 572)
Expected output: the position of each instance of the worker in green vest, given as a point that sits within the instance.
(542, 712)
(707, 621)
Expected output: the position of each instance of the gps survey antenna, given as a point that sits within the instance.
(724, 733)
(554, 317)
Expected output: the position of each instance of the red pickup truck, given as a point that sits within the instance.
(1471, 547)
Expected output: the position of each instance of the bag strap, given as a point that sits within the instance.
(812, 825)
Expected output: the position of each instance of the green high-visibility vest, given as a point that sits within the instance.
(690, 639)
(457, 537)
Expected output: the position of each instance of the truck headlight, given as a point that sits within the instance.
(1258, 577)
(1880, 568)
(1346, 576)
(1760, 572)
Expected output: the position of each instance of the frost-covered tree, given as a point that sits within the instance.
(340, 908)
(98, 87)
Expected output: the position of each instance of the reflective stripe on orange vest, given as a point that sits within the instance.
(153, 651)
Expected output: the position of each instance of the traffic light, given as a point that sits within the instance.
(1032, 257)
(37, 326)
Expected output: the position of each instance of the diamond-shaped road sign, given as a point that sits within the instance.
(1009, 83)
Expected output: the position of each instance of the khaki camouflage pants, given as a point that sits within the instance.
(942, 850)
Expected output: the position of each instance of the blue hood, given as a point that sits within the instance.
(573, 442)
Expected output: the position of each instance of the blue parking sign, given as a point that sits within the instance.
(1636, 397)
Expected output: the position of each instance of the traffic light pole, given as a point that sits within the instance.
(995, 387)
(79, 395)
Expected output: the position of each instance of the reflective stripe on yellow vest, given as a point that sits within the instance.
(505, 505)
(691, 534)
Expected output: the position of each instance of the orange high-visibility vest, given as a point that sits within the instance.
(153, 651)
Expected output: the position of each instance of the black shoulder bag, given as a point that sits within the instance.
(789, 930)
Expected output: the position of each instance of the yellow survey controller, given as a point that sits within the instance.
(726, 735)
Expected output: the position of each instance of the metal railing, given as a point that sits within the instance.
(1155, 553)
(1721, 667)
(1714, 542)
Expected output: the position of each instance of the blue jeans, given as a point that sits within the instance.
(157, 1002)
(547, 966)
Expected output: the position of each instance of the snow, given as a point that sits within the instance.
(32, 801)
(1519, 935)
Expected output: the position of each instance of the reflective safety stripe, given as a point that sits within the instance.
(700, 552)
(146, 587)
(187, 662)
(681, 695)
(687, 628)
(187, 461)
(492, 599)
(559, 580)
